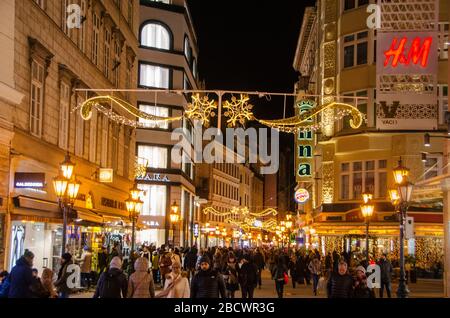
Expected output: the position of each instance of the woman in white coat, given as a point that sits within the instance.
(177, 285)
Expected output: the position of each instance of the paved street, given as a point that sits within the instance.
(425, 288)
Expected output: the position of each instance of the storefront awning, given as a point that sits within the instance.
(87, 215)
(25, 202)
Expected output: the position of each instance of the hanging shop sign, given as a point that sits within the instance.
(196, 229)
(301, 196)
(305, 144)
(153, 177)
(31, 180)
(105, 175)
(407, 69)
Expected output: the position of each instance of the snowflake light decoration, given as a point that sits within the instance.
(201, 108)
(238, 110)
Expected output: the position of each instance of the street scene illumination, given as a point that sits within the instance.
(178, 150)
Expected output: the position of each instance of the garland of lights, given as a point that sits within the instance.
(238, 111)
(240, 210)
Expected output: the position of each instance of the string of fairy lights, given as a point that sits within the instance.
(237, 110)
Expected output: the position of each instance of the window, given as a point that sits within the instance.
(64, 16)
(156, 111)
(186, 84)
(433, 166)
(95, 37)
(194, 68)
(352, 4)
(442, 102)
(64, 102)
(107, 53)
(93, 136)
(115, 146)
(79, 128)
(126, 151)
(156, 157)
(187, 166)
(37, 98)
(355, 49)
(128, 79)
(161, 1)
(361, 104)
(156, 36)
(104, 142)
(363, 176)
(443, 40)
(154, 198)
(81, 31)
(116, 64)
(187, 50)
(154, 76)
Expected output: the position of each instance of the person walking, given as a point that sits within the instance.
(164, 266)
(315, 267)
(102, 260)
(21, 277)
(85, 262)
(278, 273)
(155, 268)
(260, 264)
(328, 264)
(63, 276)
(113, 283)
(360, 288)
(140, 284)
(386, 274)
(340, 284)
(207, 283)
(248, 277)
(231, 276)
(293, 270)
(177, 285)
(190, 261)
(217, 261)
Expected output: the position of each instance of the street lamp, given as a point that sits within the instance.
(174, 217)
(367, 212)
(66, 189)
(400, 199)
(288, 225)
(134, 207)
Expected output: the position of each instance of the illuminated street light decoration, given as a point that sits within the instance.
(238, 110)
(201, 108)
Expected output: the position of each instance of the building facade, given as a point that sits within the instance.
(337, 56)
(167, 59)
(47, 60)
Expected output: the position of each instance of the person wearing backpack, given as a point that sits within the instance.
(278, 275)
(4, 285)
(113, 283)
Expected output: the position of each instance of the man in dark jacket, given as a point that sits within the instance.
(113, 283)
(386, 274)
(190, 260)
(21, 277)
(207, 283)
(247, 276)
(260, 264)
(340, 284)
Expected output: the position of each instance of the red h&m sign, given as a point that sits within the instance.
(403, 53)
(418, 52)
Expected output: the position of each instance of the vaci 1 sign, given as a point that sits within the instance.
(301, 196)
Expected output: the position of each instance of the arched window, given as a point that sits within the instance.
(194, 68)
(187, 49)
(156, 35)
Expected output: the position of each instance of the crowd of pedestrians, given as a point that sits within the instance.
(214, 272)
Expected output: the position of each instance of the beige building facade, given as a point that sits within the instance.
(46, 62)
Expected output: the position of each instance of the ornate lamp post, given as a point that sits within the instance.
(367, 211)
(174, 217)
(400, 199)
(134, 207)
(66, 188)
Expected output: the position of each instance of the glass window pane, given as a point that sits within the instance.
(345, 184)
(370, 165)
(363, 2)
(154, 198)
(154, 76)
(382, 184)
(357, 166)
(357, 185)
(349, 38)
(349, 56)
(345, 167)
(369, 185)
(382, 164)
(156, 111)
(362, 35)
(155, 35)
(362, 53)
(156, 157)
(349, 4)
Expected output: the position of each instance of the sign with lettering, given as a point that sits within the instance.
(301, 196)
(153, 177)
(29, 180)
(305, 143)
(105, 175)
(113, 204)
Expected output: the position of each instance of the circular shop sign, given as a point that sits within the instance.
(301, 195)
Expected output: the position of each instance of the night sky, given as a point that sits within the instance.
(250, 45)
